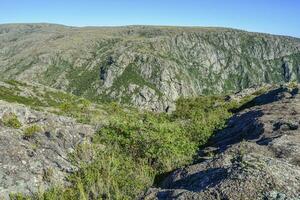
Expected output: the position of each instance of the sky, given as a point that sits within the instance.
(269, 16)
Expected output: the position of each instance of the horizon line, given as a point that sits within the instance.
(148, 25)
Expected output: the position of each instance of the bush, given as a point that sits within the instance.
(11, 120)
(77, 109)
(111, 175)
(151, 138)
(18, 196)
(137, 146)
(202, 116)
(84, 104)
(66, 107)
(30, 131)
(48, 174)
(133, 147)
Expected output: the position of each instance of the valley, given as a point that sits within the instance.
(148, 112)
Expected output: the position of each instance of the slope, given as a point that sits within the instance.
(145, 66)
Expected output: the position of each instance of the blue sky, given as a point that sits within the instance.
(271, 16)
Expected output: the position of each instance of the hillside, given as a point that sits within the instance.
(146, 66)
(255, 157)
(148, 112)
(55, 145)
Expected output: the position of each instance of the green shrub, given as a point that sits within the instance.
(77, 109)
(18, 196)
(151, 138)
(11, 120)
(30, 131)
(133, 147)
(202, 116)
(13, 95)
(83, 104)
(292, 85)
(111, 175)
(66, 107)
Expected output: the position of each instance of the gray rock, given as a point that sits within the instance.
(255, 157)
(27, 165)
(173, 62)
(286, 71)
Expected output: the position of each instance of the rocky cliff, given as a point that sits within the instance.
(146, 66)
(255, 157)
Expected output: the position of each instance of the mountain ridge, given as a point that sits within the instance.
(149, 67)
(146, 26)
(77, 120)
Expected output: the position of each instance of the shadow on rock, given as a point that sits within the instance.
(246, 126)
(267, 98)
(196, 182)
(239, 128)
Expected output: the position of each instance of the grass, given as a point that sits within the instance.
(11, 120)
(111, 175)
(12, 95)
(59, 102)
(133, 147)
(47, 174)
(30, 131)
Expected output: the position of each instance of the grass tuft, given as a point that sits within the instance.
(11, 120)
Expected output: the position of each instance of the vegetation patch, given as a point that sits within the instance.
(133, 147)
(131, 76)
(30, 131)
(81, 82)
(48, 174)
(12, 95)
(11, 120)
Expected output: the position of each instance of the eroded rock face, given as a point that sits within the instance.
(255, 157)
(163, 62)
(41, 160)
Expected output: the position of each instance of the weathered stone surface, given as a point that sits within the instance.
(255, 157)
(30, 164)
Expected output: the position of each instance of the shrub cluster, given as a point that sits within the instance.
(11, 120)
(134, 147)
(30, 131)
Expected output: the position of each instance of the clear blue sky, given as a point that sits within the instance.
(271, 16)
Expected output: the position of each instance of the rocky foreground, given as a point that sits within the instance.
(34, 160)
(255, 157)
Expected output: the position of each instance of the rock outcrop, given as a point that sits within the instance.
(162, 63)
(32, 161)
(255, 157)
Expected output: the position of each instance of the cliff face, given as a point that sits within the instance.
(149, 67)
